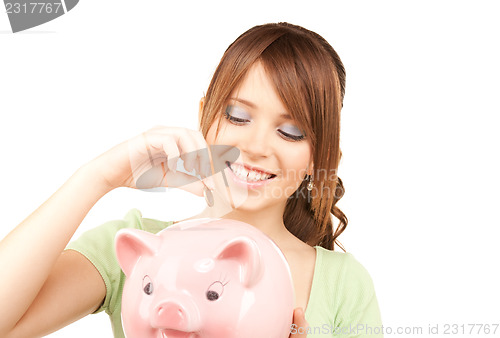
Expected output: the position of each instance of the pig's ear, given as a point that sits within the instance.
(131, 244)
(245, 251)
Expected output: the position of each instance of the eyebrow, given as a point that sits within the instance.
(253, 106)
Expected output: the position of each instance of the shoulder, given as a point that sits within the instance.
(97, 245)
(344, 272)
(344, 267)
(99, 241)
(349, 287)
(132, 220)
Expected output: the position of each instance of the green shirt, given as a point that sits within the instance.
(342, 302)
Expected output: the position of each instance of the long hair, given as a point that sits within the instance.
(309, 78)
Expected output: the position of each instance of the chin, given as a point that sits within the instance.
(252, 204)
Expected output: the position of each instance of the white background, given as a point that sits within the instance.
(419, 132)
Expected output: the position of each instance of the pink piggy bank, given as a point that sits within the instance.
(204, 278)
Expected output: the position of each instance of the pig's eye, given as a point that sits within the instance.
(212, 295)
(147, 285)
(215, 291)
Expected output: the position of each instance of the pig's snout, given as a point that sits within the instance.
(174, 315)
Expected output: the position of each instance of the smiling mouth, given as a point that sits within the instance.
(248, 175)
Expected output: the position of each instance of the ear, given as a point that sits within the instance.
(246, 253)
(310, 167)
(200, 110)
(131, 244)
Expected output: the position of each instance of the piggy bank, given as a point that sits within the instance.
(204, 278)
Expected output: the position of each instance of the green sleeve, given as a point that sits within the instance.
(97, 245)
(358, 310)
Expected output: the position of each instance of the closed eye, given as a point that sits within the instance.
(242, 121)
(292, 132)
(292, 137)
(230, 113)
(235, 120)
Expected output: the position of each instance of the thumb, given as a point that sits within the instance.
(185, 182)
(300, 323)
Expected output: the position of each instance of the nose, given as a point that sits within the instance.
(173, 315)
(256, 142)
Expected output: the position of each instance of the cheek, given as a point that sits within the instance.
(295, 162)
(210, 138)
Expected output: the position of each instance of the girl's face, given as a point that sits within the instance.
(256, 122)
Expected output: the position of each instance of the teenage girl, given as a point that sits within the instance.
(276, 96)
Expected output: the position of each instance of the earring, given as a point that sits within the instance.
(209, 197)
(310, 185)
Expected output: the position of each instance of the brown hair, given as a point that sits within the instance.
(309, 77)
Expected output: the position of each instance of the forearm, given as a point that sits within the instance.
(29, 252)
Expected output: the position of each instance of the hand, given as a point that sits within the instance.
(300, 324)
(149, 160)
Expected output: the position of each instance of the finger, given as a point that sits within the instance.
(152, 178)
(172, 150)
(165, 144)
(193, 148)
(188, 149)
(185, 182)
(300, 324)
(203, 156)
(189, 143)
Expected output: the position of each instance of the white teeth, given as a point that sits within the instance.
(253, 176)
(244, 174)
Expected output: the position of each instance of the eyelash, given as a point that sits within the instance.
(237, 121)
